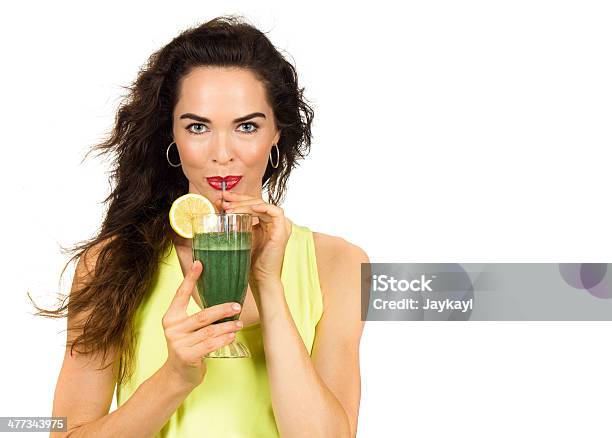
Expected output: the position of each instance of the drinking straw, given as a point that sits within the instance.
(223, 218)
(222, 196)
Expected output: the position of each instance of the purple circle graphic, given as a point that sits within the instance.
(591, 274)
(570, 272)
(588, 276)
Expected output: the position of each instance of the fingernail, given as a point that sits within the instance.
(239, 324)
(236, 306)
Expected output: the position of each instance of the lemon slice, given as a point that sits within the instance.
(184, 208)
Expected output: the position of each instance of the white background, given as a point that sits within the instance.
(473, 131)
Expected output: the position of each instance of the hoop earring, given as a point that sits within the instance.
(168, 157)
(278, 155)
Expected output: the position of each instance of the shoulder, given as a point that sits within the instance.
(85, 270)
(338, 260)
(87, 261)
(335, 249)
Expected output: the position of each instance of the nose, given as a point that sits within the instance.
(222, 150)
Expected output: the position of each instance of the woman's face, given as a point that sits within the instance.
(223, 125)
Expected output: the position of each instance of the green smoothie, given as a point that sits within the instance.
(226, 258)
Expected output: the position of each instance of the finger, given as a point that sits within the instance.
(208, 316)
(271, 211)
(248, 209)
(233, 196)
(218, 205)
(266, 212)
(235, 204)
(203, 348)
(212, 331)
(181, 298)
(276, 215)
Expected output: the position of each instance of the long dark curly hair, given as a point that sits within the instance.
(136, 229)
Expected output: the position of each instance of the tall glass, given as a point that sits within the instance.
(222, 242)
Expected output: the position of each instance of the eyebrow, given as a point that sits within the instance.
(205, 120)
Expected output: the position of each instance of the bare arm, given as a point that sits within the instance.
(335, 352)
(318, 396)
(84, 393)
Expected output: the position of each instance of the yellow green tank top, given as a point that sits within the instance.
(234, 398)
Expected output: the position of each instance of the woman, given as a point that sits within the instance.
(217, 101)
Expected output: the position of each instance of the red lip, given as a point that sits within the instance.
(230, 181)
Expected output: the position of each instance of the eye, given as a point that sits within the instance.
(250, 131)
(199, 128)
(197, 132)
